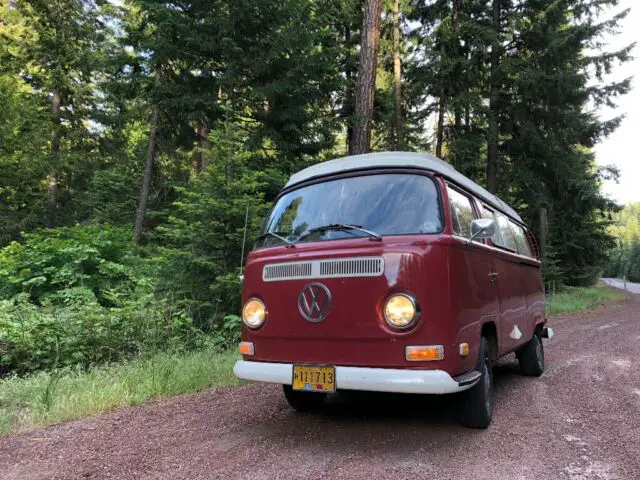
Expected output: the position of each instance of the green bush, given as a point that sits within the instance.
(86, 295)
(47, 264)
(81, 332)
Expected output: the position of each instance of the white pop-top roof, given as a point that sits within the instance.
(400, 160)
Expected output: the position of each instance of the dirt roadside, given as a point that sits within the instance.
(581, 420)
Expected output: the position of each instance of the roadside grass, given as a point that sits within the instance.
(575, 299)
(46, 398)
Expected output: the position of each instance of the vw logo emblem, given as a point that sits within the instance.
(314, 302)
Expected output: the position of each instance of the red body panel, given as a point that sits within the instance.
(475, 297)
(449, 279)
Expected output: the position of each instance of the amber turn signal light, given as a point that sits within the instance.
(464, 349)
(246, 348)
(424, 353)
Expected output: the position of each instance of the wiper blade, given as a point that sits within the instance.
(345, 226)
(279, 237)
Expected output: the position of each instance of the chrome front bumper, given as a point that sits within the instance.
(364, 378)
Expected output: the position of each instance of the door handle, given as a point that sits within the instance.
(493, 276)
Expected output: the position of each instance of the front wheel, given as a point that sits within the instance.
(531, 357)
(303, 401)
(478, 401)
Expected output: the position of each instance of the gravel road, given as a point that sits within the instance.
(581, 420)
(617, 283)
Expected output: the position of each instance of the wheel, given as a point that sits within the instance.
(303, 401)
(531, 357)
(478, 400)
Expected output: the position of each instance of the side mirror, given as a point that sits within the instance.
(482, 228)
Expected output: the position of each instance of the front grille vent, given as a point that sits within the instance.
(326, 268)
(286, 271)
(352, 267)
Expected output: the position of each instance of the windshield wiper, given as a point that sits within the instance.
(285, 240)
(341, 226)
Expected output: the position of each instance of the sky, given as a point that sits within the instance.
(622, 148)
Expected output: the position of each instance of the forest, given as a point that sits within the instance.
(137, 135)
(624, 258)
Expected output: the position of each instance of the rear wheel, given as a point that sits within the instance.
(478, 400)
(531, 357)
(303, 401)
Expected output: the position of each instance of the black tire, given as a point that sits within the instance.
(531, 357)
(477, 404)
(303, 401)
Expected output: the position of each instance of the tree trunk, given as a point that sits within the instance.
(442, 105)
(440, 128)
(198, 157)
(542, 237)
(349, 94)
(467, 117)
(397, 78)
(148, 170)
(457, 109)
(365, 84)
(494, 98)
(467, 103)
(52, 177)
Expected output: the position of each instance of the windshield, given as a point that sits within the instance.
(387, 204)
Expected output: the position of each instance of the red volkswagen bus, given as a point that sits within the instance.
(390, 272)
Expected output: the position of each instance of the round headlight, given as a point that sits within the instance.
(400, 310)
(254, 313)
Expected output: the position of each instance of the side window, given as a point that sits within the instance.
(461, 212)
(521, 240)
(496, 238)
(508, 240)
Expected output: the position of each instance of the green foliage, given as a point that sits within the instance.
(119, 180)
(83, 296)
(549, 134)
(205, 230)
(228, 335)
(634, 262)
(23, 142)
(546, 126)
(81, 332)
(624, 259)
(45, 265)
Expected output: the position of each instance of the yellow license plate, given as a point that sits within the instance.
(312, 378)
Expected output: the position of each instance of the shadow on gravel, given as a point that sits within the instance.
(378, 425)
(506, 373)
(371, 407)
(384, 421)
(426, 409)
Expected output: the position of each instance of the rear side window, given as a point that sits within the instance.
(461, 212)
(496, 238)
(504, 235)
(521, 240)
(508, 240)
